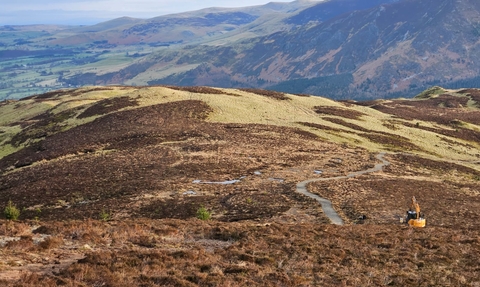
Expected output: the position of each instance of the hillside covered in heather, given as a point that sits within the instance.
(109, 182)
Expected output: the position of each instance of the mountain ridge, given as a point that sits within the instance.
(351, 50)
(331, 48)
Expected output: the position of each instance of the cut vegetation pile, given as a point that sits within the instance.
(110, 183)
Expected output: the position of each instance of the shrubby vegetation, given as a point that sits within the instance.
(11, 212)
(203, 213)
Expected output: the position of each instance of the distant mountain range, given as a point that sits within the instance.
(343, 49)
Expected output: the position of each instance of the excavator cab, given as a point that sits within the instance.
(414, 216)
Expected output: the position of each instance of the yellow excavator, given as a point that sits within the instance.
(414, 217)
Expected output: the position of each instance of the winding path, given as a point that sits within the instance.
(327, 204)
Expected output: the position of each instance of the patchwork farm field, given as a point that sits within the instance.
(111, 182)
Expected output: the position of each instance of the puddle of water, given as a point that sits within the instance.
(219, 182)
(189, 192)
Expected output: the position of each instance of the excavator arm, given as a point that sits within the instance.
(415, 206)
(414, 217)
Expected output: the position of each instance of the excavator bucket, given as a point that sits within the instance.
(421, 222)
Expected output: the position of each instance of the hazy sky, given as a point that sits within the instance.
(21, 12)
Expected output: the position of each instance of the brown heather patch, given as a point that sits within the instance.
(25, 243)
(459, 132)
(305, 134)
(392, 142)
(348, 103)
(448, 101)
(51, 242)
(346, 124)
(441, 167)
(476, 98)
(238, 203)
(474, 94)
(339, 112)
(455, 143)
(200, 90)
(153, 124)
(14, 228)
(65, 92)
(267, 93)
(366, 103)
(79, 92)
(392, 124)
(49, 95)
(41, 126)
(442, 110)
(107, 106)
(212, 253)
(470, 91)
(320, 127)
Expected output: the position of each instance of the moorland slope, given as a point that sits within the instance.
(109, 181)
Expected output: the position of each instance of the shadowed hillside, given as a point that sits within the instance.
(341, 49)
(387, 50)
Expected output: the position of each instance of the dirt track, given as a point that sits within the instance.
(326, 204)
